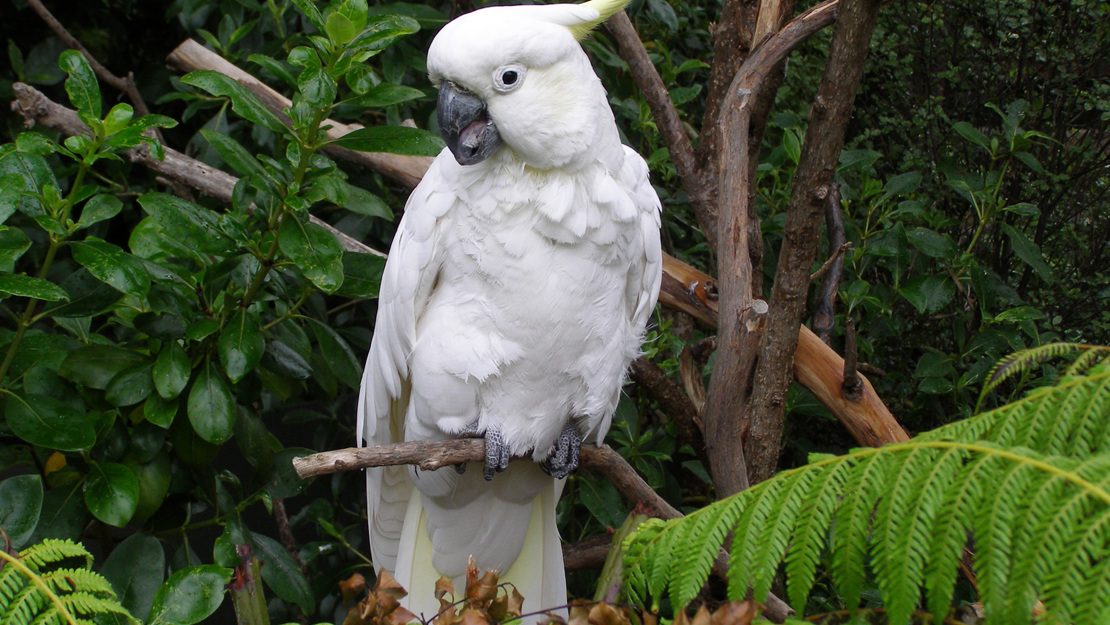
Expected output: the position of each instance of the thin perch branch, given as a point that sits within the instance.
(432, 455)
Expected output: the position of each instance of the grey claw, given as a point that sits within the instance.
(497, 454)
(568, 450)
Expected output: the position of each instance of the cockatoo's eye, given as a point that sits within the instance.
(508, 77)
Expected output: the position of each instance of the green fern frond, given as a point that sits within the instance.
(1040, 520)
(1020, 362)
(38, 586)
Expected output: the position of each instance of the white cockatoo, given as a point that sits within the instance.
(516, 293)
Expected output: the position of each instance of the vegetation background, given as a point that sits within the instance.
(976, 194)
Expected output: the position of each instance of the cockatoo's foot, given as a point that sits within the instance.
(497, 452)
(568, 449)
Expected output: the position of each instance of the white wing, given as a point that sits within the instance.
(407, 282)
(646, 274)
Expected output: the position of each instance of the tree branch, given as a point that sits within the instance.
(829, 118)
(432, 455)
(36, 108)
(406, 170)
(671, 130)
(126, 85)
(728, 391)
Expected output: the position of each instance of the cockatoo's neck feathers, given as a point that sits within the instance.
(599, 11)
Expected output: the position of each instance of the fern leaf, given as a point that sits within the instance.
(38, 589)
(853, 526)
(708, 533)
(1020, 362)
(810, 534)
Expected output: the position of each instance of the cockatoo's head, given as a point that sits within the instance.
(517, 76)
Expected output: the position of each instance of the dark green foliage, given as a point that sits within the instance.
(1027, 481)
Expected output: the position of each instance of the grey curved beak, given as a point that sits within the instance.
(465, 125)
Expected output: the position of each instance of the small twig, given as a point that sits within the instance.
(824, 314)
(126, 85)
(852, 385)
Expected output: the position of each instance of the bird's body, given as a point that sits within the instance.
(515, 295)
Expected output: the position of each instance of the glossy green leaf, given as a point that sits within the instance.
(392, 139)
(1029, 252)
(190, 595)
(136, 568)
(928, 294)
(385, 94)
(281, 573)
(111, 492)
(63, 514)
(171, 370)
(211, 406)
(114, 266)
(159, 411)
(36, 174)
(285, 360)
(315, 250)
(99, 208)
(243, 102)
(48, 422)
(317, 86)
(87, 296)
(340, 29)
(191, 224)
(95, 365)
(362, 275)
(11, 194)
(969, 132)
(382, 29)
(26, 286)
(20, 506)
(83, 90)
(284, 481)
(130, 386)
(255, 441)
(308, 8)
(13, 243)
(241, 345)
(238, 157)
(340, 357)
(931, 243)
(154, 483)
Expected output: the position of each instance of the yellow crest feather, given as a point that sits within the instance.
(605, 10)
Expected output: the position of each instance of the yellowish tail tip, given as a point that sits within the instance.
(605, 10)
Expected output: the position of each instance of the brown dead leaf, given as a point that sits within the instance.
(352, 587)
(483, 590)
(473, 617)
(702, 616)
(516, 603)
(444, 586)
(386, 585)
(735, 613)
(606, 614)
(400, 616)
(580, 612)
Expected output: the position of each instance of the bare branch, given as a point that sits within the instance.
(810, 190)
(587, 554)
(126, 85)
(432, 455)
(816, 367)
(631, 49)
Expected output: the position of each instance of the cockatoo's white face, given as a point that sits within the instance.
(516, 76)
